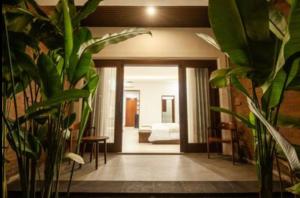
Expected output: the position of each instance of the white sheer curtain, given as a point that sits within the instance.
(198, 104)
(103, 106)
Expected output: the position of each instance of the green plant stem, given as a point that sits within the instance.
(18, 153)
(4, 103)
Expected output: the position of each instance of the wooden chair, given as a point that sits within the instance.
(214, 135)
(73, 137)
(94, 140)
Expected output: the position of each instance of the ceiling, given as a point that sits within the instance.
(138, 73)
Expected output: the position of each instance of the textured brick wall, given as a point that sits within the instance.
(290, 106)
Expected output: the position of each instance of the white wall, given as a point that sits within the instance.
(150, 99)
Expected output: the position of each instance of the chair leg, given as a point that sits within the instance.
(82, 152)
(105, 151)
(233, 152)
(208, 155)
(91, 153)
(97, 151)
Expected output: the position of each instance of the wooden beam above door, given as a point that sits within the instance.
(136, 16)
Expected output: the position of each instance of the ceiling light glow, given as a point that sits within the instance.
(151, 10)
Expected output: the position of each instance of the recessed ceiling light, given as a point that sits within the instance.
(151, 10)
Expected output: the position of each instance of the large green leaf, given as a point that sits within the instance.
(25, 62)
(218, 78)
(83, 121)
(294, 189)
(287, 148)
(97, 44)
(239, 86)
(92, 84)
(293, 45)
(209, 40)
(288, 121)
(88, 8)
(246, 40)
(18, 19)
(277, 23)
(68, 95)
(51, 83)
(255, 18)
(68, 121)
(294, 70)
(20, 144)
(293, 81)
(224, 15)
(221, 77)
(68, 33)
(82, 67)
(273, 96)
(240, 117)
(290, 41)
(77, 66)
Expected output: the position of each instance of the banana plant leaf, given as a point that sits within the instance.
(51, 81)
(287, 148)
(290, 41)
(209, 40)
(88, 8)
(97, 44)
(294, 189)
(68, 33)
(68, 95)
(18, 19)
(239, 41)
(288, 121)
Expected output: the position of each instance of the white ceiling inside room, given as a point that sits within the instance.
(156, 73)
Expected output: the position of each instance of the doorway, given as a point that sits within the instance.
(151, 109)
(132, 107)
(189, 77)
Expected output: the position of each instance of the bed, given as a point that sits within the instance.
(164, 133)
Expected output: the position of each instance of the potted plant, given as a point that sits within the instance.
(262, 42)
(45, 56)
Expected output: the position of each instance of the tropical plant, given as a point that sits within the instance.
(262, 42)
(45, 58)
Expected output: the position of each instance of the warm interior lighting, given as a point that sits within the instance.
(151, 10)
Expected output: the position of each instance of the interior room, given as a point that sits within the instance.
(151, 109)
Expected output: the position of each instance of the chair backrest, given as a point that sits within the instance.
(91, 131)
(227, 125)
(74, 128)
(223, 126)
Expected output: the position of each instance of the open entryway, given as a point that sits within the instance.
(151, 109)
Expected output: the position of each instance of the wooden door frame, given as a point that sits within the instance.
(211, 64)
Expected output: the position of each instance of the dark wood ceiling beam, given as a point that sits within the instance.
(136, 16)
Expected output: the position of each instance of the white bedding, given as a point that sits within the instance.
(164, 131)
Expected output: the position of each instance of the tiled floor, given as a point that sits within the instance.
(176, 167)
(131, 144)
